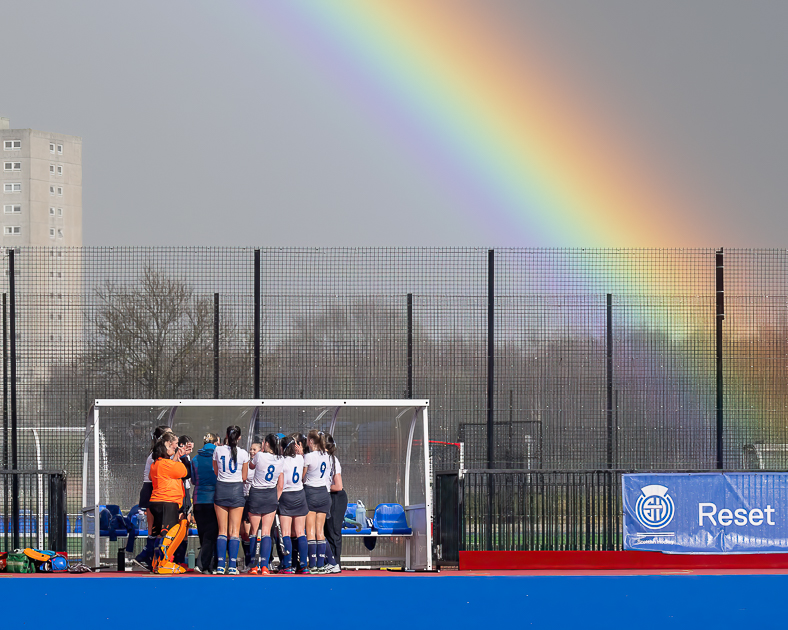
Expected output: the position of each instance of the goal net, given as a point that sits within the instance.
(383, 446)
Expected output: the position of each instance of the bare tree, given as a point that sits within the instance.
(154, 339)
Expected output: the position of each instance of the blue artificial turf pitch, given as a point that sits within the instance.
(398, 601)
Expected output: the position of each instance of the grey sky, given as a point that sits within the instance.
(201, 131)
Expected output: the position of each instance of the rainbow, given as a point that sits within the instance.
(507, 135)
(515, 147)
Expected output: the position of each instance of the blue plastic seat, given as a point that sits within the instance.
(350, 515)
(112, 522)
(390, 519)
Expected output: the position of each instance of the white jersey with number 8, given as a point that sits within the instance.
(267, 468)
(230, 470)
(293, 468)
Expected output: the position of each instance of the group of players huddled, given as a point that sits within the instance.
(287, 488)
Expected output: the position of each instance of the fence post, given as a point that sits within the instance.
(14, 452)
(609, 338)
(409, 387)
(720, 288)
(257, 323)
(216, 345)
(5, 419)
(610, 429)
(57, 512)
(490, 391)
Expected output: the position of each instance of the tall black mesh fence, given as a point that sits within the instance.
(602, 358)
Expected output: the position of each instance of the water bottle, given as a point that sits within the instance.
(142, 521)
(121, 559)
(361, 514)
(190, 557)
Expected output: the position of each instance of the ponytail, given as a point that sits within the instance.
(233, 435)
(288, 446)
(273, 443)
(331, 449)
(318, 439)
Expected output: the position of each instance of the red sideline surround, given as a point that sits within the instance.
(613, 560)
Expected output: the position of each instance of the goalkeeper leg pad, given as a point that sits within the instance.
(165, 567)
(172, 539)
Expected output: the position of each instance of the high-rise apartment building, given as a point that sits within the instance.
(41, 194)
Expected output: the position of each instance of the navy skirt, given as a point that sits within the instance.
(229, 494)
(293, 504)
(262, 501)
(318, 499)
(147, 490)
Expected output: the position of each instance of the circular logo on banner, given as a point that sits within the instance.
(654, 508)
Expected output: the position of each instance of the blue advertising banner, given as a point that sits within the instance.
(706, 512)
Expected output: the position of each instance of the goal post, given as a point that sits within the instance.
(383, 447)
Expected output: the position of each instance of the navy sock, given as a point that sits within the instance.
(321, 553)
(221, 552)
(232, 547)
(303, 551)
(329, 554)
(147, 553)
(312, 547)
(265, 550)
(253, 544)
(294, 547)
(288, 557)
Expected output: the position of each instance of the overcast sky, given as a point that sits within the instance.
(204, 127)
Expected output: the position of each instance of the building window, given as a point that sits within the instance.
(51, 147)
(60, 213)
(51, 169)
(12, 229)
(12, 187)
(11, 209)
(59, 191)
(12, 166)
(60, 149)
(59, 169)
(51, 190)
(51, 212)
(12, 145)
(60, 233)
(51, 232)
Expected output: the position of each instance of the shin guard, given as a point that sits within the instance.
(287, 558)
(312, 551)
(321, 553)
(303, 552)
(265, 550)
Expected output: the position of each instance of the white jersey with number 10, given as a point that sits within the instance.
(230, 470)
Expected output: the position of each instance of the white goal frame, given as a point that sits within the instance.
(91, 495)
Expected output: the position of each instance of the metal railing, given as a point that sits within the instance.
(527, 510)
(33, 508)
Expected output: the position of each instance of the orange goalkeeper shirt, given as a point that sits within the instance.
(167, 478)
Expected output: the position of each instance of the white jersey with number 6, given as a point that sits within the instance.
(267, 468)
(230, 470)
(317, 469)
(293, 468)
